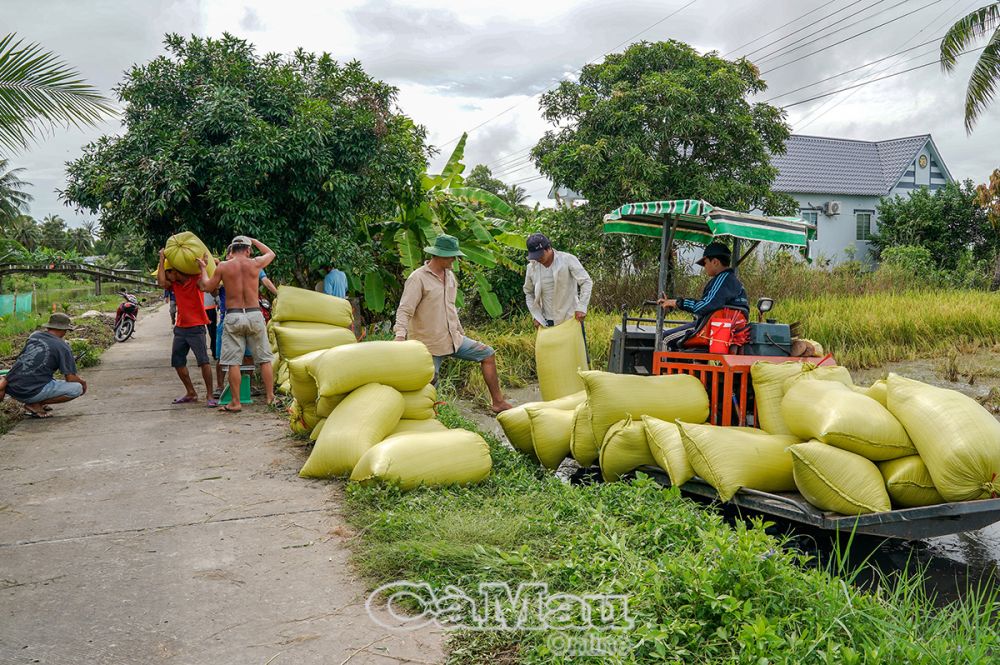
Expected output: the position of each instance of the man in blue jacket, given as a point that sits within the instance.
(722, 291)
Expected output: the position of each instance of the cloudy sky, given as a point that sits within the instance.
(480, 66)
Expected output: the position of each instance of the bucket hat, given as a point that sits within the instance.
(59, 321)
(445, 246)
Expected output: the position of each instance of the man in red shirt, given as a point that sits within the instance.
(189, 331)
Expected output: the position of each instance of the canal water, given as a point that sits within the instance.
(42, 300)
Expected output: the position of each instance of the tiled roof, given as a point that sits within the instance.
(819, 165)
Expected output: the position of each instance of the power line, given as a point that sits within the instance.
(854, 36)
(875, 80)
(830, 105)
(780, 27)
(819, 20)
(851, 71)
(514, 106)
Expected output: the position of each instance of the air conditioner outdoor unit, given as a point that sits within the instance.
(831, 208)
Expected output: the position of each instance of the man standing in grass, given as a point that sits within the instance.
(189, 331)
(556, 285)
(243, 327)
(30, 380)
(427, 313)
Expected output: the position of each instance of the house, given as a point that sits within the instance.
(839, 182)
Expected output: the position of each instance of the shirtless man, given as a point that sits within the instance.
(244, 323)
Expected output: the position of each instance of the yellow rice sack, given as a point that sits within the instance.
(295, 420)
(454, 457)
(304, 388)
(309, 415)
(838, 481)
(624, 449)
(404, 366)
(582, 444)
(550, 433)
(667, 448)
(419, 404)
(363, 419)
(811, 372)
(835, 414)
(559, 354)
(909, 483)
(517, 425)
(317, 429)
(295, 342)
(769, 381)
(183, 250)
(294, 304)
(878, 391)
(407, 426)
(728, 458)
(326, 405)
(285, 388)
(613, 397)
(956, 437)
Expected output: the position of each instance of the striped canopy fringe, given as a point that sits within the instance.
(700, 222)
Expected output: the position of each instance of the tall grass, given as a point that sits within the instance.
(866, 330)
(700, 590)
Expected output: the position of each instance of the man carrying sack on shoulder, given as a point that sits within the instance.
(427, 313)
(243, 326)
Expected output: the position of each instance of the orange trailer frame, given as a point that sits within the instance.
(726, 378)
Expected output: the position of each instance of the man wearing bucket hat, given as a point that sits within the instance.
(427, 313)
(723, 290)
(31, 379)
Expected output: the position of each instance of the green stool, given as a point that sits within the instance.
(224, 398)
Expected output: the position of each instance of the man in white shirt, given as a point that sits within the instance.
(556, 286)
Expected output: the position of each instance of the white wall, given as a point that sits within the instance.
(836, 233)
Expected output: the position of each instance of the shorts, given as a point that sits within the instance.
(55, 388)
(241, 332)
(192, 338)
(470, 349)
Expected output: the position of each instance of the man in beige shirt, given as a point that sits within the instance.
(427, 313)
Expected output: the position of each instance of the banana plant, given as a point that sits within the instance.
(479, 219)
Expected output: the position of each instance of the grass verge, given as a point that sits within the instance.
(699, 590)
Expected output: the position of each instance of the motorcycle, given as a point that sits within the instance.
(125, 317)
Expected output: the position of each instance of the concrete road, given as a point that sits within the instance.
(136, 531)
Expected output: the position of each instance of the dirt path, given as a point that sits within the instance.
(135, 531)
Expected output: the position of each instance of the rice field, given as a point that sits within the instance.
(861, 331)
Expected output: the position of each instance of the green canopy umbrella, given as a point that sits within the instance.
(701, 222)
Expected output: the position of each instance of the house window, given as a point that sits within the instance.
(811, 216)
(864, 224)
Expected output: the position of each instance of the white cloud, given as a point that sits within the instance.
(459, 64)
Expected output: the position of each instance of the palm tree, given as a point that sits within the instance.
(39, 91)
(984, 22)
(13, 199)
(24, 230)
(80, 240)
(514, 195)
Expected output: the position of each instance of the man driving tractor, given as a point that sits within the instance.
(723, 291)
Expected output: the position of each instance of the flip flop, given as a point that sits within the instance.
(211, 403)
(185, 400)
(32, 414)
(226, 409)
